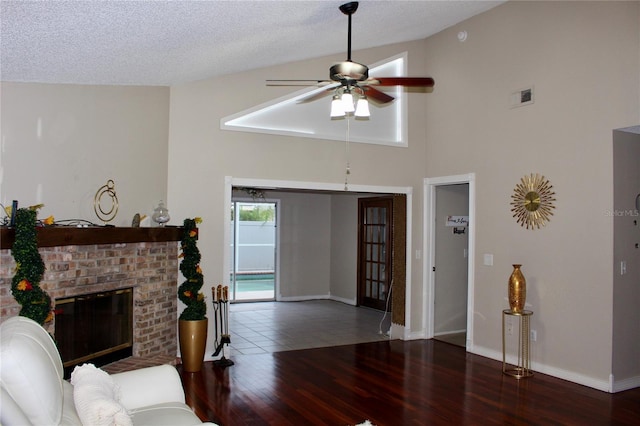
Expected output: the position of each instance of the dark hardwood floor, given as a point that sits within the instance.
(420, 382)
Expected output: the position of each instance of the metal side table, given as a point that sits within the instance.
(523, 366)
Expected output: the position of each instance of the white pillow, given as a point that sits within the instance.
(97, 398)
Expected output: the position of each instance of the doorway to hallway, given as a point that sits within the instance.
(450, 249)
(451, 272)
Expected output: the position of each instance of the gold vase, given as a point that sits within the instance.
(517, 290)
(193, 343)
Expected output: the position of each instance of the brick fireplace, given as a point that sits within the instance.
(89, 260)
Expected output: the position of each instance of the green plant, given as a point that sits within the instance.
(189, 291)
(258, 214)
(25, 285)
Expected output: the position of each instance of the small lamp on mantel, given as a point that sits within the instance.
(161, 214)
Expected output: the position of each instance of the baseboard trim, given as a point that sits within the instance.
(601, 385)
(304, 298)
(446, 333)
(351, 302)
(624, 384)
(401, 332)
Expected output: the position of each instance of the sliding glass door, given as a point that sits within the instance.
(253, 249)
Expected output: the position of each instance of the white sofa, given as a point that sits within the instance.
(33, 391)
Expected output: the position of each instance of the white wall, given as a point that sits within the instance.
(62, 143)
(582, 58)
(305, 238)
(344, 247)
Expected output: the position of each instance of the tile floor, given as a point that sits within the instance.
(262, 327)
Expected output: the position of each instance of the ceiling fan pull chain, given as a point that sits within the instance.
(347, 171)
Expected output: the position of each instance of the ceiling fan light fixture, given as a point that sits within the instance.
(362, 108)
(347, 101)
(337, 107)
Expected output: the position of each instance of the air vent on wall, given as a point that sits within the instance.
(521, 97)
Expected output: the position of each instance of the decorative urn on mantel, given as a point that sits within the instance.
(161, 214)
(193, 323)
(517, 290)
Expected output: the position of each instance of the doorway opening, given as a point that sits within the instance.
(451, 272)
(449, 245)
(253, 251)
(317, 228)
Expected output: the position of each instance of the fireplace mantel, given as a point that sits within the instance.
(54, 236)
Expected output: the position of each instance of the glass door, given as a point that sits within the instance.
(253, 248)
(374, 251)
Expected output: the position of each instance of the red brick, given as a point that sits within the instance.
(150, 268)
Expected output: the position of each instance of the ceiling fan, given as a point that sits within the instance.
(351, 78)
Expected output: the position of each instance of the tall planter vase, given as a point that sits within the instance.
(517, 290)
(193, 343)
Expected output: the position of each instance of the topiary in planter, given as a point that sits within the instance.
(189, 291)
(25, 285)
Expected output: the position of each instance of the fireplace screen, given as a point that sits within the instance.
(95, 328)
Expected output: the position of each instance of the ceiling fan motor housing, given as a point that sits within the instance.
(349, 71)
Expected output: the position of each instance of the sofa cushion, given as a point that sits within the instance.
(97, 397)
(69, 414)
(30, 373)
(166, 414)
(149, 386)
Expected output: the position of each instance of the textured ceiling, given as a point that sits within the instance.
(171, 42)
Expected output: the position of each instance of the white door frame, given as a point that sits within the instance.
(429, 240)
(397, 331)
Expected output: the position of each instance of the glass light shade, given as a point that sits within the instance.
(347, 102)
(362, 108)
(337, 107)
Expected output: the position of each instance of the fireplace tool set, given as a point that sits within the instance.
(220, 297)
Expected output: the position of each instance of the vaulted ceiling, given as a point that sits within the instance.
(163, 43)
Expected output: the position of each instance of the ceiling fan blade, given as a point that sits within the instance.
(318, 83)
(377, 96)
(402, 81)
(315, 96)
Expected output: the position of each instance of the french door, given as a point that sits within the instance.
(374, 251)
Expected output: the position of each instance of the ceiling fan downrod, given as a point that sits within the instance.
(349, 9)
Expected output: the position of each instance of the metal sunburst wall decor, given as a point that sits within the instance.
(532, 201)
